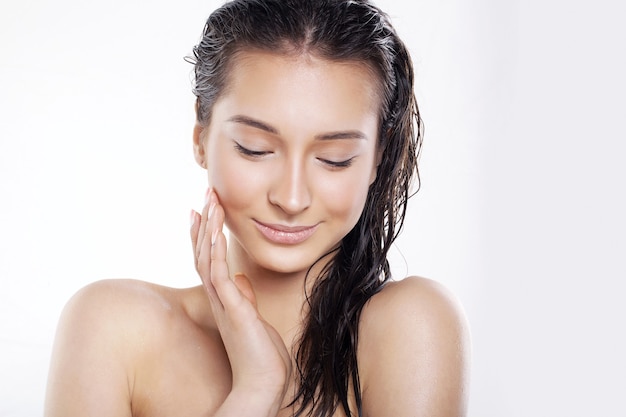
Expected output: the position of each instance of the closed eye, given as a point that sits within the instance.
(337, 164)
(250, 152)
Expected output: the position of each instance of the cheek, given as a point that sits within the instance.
(345, 199)
(232, 182)
(350, 196)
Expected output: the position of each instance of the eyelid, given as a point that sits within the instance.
(258, 154)
(249, 152)
(338, 164)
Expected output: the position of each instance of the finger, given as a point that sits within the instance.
(195, 227)
(217, 253)
(214, 299)
(243, 284)
(207, 210)
(194, 220)
(203, 243)
(227, 291)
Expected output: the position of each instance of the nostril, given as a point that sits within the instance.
(291, 203)
(291, 194)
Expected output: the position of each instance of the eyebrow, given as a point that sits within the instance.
(257, 124)
(348, 134)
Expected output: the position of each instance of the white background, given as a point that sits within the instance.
(521, 212)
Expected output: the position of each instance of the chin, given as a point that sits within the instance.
(286, 259)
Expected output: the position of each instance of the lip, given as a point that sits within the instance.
(285, 234)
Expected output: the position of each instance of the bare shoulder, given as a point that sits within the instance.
(414, 298)
(101, 330)
(414, 342)
(115, 292)
(119, 305)
(120, 316)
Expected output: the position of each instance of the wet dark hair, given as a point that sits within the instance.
(337, 30)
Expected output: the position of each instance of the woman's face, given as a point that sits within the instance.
(291, 150)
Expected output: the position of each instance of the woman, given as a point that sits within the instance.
(309, 131)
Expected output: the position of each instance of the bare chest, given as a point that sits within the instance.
(190, 378)
(183, 370)
(186, 375)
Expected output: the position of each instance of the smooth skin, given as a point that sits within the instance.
(275, 153)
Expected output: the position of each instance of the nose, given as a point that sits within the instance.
(290, 188)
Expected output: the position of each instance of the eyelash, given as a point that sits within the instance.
(249, 152)
(338, 164)
(258, 154)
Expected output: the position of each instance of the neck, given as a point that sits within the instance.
(280, 296)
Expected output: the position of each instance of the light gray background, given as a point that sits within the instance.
(520, 213)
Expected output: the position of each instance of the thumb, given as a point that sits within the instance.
(243, 284)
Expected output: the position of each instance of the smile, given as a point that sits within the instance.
(285, 235)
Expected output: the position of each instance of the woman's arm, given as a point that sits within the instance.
(414, 352)
(260, 362)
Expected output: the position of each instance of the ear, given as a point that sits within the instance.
(199, 148)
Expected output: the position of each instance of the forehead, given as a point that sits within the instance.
(283, 84)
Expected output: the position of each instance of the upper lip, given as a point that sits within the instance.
(285, 228)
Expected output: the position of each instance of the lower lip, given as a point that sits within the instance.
(284, 237)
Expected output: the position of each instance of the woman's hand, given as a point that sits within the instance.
(260, 362)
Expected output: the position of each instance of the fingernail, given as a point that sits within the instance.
(192, 218)
(207, 195)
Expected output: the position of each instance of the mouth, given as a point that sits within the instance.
(285, 235)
